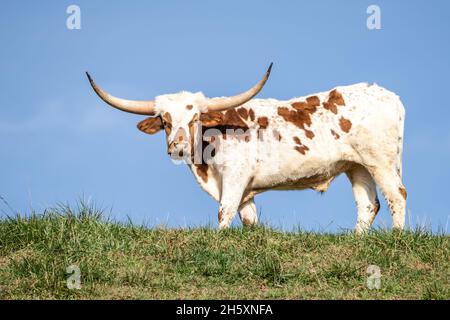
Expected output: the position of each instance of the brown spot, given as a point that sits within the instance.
(345, 124)
(309, 134)
(230, 118)
(313, 101)
(243, 113)
(331, 107)
(251, 113)
(299, 105)
(263, 122)
(302, 149)
(247, 138)
(403, 192)
(180, 138)
(202, 171)
(211, 118)
(336, 98)
(300, 117)
(189, 106)
(335, 134)
(220, 215)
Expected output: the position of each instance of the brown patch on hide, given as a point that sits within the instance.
(230, 119)
(229, 123)
(330, 107)
(334, 99)
(263, 122)
(202, 171)
(243, 113)
(211, 118)
(335, 134)
(220, 215)
(300, 147)
(313, 101)
(403, 192)
(301, 116)
(345, 124)
(251, 113)
(299, 105)
(189, 106)
(309, 134)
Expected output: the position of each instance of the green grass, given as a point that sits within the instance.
(121, 261)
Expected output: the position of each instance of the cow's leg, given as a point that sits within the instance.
(248, 214)
(233, 186)
(393, 190)
(365, 193)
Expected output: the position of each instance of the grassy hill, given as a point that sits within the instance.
(121, 261)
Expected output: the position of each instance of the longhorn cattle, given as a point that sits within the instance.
(237, 147)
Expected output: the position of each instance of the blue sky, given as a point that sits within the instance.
(59, 142)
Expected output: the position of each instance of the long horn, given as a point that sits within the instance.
(132, 106)
(220, 104)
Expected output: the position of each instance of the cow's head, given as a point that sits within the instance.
(179, 114)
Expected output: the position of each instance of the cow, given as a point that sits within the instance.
(238, 147)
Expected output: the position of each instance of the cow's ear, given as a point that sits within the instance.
(150, 125)
(211, 119)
